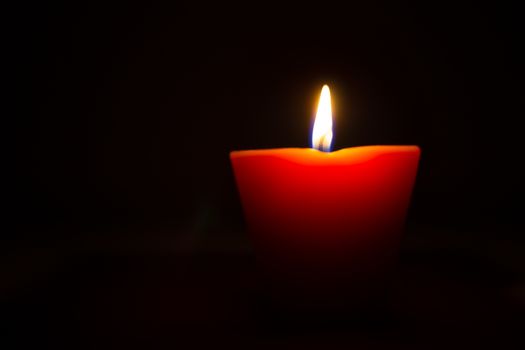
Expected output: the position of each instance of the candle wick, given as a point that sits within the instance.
(322, 144)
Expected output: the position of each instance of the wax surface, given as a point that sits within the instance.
(326, 223)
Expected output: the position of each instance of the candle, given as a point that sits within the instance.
(326, 226)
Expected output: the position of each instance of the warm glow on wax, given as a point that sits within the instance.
(322, 132)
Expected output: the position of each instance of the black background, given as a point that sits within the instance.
(128, 111)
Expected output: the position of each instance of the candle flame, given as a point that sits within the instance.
(322, 132)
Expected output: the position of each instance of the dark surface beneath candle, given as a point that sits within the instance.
(114, 293)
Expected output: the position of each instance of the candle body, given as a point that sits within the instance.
(326, 227)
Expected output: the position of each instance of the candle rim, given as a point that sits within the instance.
(349, 154)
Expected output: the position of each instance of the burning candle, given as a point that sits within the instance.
(326, 226)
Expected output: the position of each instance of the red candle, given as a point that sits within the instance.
(326, 226)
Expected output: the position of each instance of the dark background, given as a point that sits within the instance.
(128, 111)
